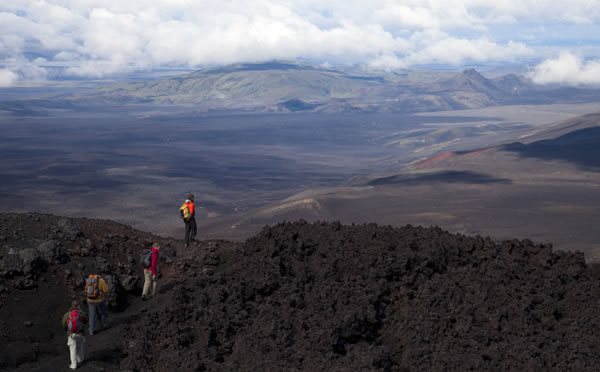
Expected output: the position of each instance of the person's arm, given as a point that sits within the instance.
(192, 207)
(103, 286)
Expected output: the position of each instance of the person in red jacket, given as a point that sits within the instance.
(188, 214)
(151, 273)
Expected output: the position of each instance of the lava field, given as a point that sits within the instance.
(299, 296)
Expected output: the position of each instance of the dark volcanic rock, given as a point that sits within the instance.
(69, 228)
(32, 260)
(301, 296)
(129, 282)
(330, 297)
(24, 284)
(51, 250)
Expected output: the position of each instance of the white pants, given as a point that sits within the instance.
(76, 344)
(147, 282)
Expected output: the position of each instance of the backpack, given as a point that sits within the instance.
(73, 321)
(146, 259)
(185, 211)
(91, 287)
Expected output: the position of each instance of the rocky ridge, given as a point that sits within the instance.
(301, 296)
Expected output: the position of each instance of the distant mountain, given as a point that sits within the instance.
(291, 87)
(253, 86)
(513, 85)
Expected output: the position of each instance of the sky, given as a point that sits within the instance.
(558, 41)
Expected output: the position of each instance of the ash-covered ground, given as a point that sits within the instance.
(299, 296)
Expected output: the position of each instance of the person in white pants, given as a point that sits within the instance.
(74, 322)
(151, 272)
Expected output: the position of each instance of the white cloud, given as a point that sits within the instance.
(407, 17)
(102, 37)
(567, 69)
(450, 50)
(387, 63)
(20, 68)
(7, 78)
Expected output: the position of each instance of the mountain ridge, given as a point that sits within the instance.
(266, 87)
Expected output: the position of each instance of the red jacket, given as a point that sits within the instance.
(192, 208)
(189, 205)
(154, 260)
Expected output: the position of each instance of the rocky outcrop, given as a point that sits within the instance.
(69, 229)
(325, 296)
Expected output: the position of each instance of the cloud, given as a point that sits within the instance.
(20, 68)
(407, 17)
(387, 63)
(7, 78)
(96, 38)
(455, 51)
(567, 69)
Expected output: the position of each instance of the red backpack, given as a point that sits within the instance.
(73, 321)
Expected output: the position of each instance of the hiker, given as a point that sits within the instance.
(150, 263)
(73, 322)
(188, 214)
(95, 290)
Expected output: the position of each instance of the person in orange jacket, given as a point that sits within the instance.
(188, 214)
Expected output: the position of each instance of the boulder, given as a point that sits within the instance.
(11, 263)
(114, 298)
(51, 250)
(129, 282)
(69, 228)
(31, 260)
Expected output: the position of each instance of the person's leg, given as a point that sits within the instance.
(153, 287)
(72, 343)
(103, 314)
(80, 348)
(194, 229)
(92, 313)
(188, 228)
(147, 280)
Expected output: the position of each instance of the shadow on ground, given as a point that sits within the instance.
(438, 177)
(581, 147)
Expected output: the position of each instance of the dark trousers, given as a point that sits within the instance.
(190, 230)
(97, 311)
